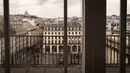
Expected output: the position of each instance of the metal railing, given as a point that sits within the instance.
(40, 50)
(113, 49)
(48, 50)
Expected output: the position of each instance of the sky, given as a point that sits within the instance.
(54, 8)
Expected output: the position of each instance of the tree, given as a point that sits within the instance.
(74, 20)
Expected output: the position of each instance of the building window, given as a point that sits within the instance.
(70, 28)
(72, 32)
(111, 28)
(47, 49)
(79, 33)
(74, 48)
(75, 32)
(79, 48)
(73, 28)
(69, 50)
(57, 28)
(61, 49)
(50, 28)
(67, 28)
(46, 28)
(60, 28)
(62, 42)
(106, 28)
(48, 39)
(54, 48)
(117, 24)
(69, 32)
(54, 28)
(77, 28)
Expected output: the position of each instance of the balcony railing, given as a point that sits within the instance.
(47, 51)
(40, 50)
(113, 49)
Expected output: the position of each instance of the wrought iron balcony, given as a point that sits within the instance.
(36, 50)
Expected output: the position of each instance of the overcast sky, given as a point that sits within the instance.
(54, 8)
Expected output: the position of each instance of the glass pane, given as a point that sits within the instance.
(74, 33)
(112, 35)
(128, 37)
(36, 32)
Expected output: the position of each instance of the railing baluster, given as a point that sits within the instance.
(118, 50)
(25, 51)
(56, 50)
(12, 51)
(49, 50)
(33, 49)
(110, 49)
(1, 40)
(78, 49)
(71, 51)
(129, 50)
(45, 48)
(18, 51)
(31, 60)
(0, 51)
(114, 49)
(74, 52)
(28, 50)
(41, 50)
(22, 50)
(24, 45)
(15, 51)
(16, 54)
(107, 49)
(39, 46)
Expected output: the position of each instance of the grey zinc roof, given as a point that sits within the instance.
(29, 25)
(62, 25)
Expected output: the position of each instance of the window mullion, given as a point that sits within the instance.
(65, 37)
(123, 14)
(6, 36)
